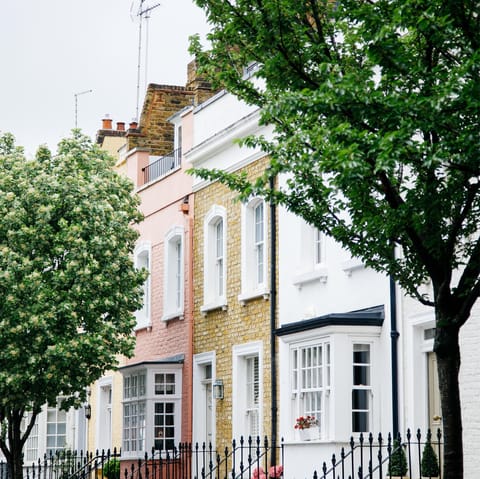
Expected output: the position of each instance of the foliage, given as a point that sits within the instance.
(397, 465)
(375, 107)
(429, 465)
(67, 280)
(111, 469)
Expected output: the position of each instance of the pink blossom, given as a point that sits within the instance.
(258, 473)
(275, 472)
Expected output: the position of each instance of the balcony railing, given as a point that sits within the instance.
(163, 166)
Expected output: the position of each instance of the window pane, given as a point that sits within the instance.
(360, 421)
(360, 398)
(361, 375)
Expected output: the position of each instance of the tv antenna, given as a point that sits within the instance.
(76, 103)
(143, 13)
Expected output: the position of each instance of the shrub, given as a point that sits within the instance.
(111, 469)
(429, 466)
(398, 461)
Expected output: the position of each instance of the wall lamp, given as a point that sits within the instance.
(88, 411)
(218, 389)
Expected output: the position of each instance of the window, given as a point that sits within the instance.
(134, 392)
(164, 419)
(362, 388)
(215, 235)
(151, 410)
(252, 395)
(142, 261)
(311, 265)
(219, 262)
(173, 305)
(254, 250)
(311, 382)
(247, 387)
(31, 450)
(259, 244)
(56, 429)
(318, 247)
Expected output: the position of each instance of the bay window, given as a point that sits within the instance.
(151, 408)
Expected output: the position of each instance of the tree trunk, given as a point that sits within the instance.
(448, 363)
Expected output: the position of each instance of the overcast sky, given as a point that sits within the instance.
(52, 49)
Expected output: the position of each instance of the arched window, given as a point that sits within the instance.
(173, 300)
(254, 250)
(215, 234)
(143, 261)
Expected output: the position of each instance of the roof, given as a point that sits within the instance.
(372, 316)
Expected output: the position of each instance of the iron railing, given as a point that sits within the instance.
(369, 458)
(162, 166)
(245, 459)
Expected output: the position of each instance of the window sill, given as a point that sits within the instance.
(173, 315)
(319, 274)
(243, 298)
(351, 265)
(221, 303)
(143, 325)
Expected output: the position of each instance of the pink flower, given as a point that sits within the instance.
(259, 473)
(275, 472)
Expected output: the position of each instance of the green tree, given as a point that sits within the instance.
(67, 281)
(375, 106)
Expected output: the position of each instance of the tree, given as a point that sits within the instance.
(67, 280)
(375, 106)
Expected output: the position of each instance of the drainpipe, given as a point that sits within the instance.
(273, 304)
(394, 335)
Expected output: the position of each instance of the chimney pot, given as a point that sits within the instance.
(120, 125)
(106, 123)
(133, 125)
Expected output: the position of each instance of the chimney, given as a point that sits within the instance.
(107, 123)
(201, 88)
(120, 126)
(133, 125)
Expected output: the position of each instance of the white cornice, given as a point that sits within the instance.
(223, 140)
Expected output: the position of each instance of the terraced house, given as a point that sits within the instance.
(232, 264)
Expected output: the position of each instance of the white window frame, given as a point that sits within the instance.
(312, 267)
(143, 259)
(174, 274)
(304, 385)
(367, 388)
(241, 409)
(254, 252)
(60, 428)
(150, 397)
(215, 266)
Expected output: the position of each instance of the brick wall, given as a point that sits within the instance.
(220, 330)
(155, 131)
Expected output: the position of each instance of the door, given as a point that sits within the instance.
(434, 406)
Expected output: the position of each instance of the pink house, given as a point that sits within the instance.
(157, 380)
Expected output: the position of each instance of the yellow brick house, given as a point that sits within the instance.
(231, 363)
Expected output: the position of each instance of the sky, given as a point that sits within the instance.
(52, 50)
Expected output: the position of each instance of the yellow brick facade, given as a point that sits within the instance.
(220, 330)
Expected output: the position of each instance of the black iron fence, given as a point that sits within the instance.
(162, 166)
(379, 457)
(244, 459)
(368, 457)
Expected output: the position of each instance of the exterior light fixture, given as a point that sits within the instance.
(218, 389)
(88, 411)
